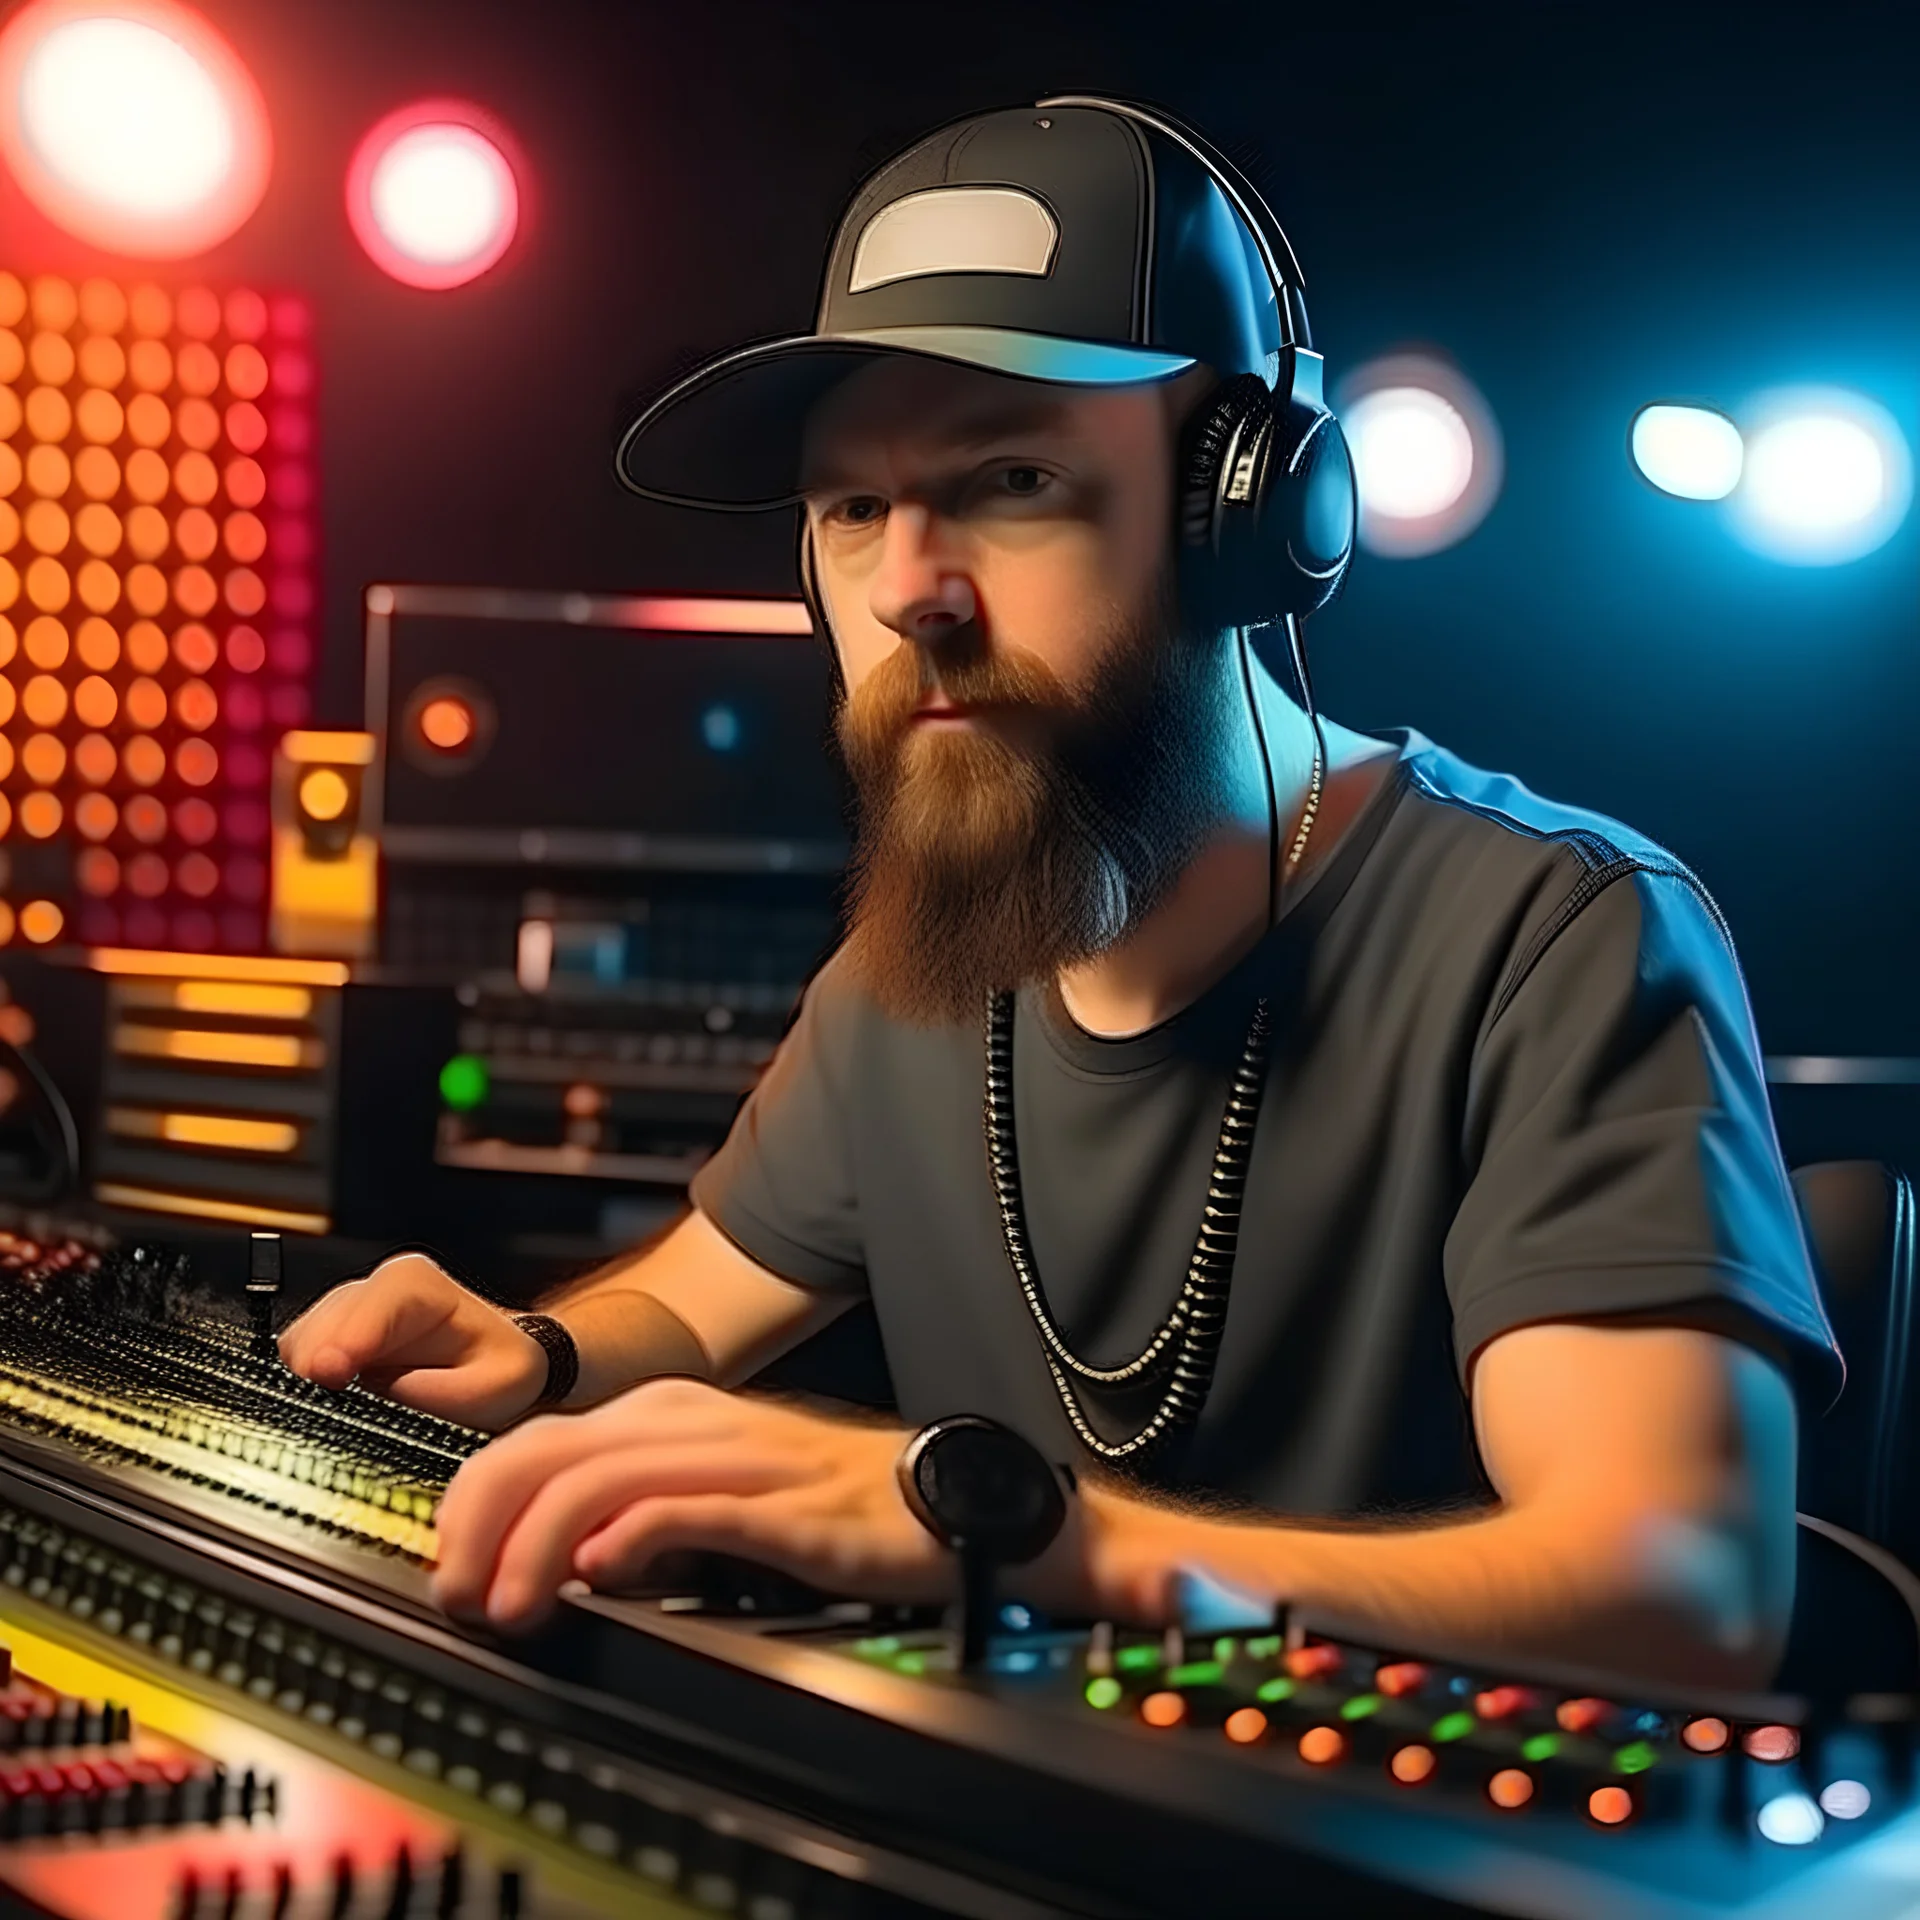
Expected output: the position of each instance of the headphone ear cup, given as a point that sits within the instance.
(1321, 506)
(1267, 506)
(1217, 429)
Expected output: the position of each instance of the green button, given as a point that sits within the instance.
(1360, 1706)
(910, 1663)
(1278, 1688)
(1104, 1692)
(1197, 1673)
(1132, 1659)
(1636, 1758)
(882, 1647)
(1225, 1647)
(1543, 1746)
(463, 1082)
(1453, 1726)
(1264, 1648)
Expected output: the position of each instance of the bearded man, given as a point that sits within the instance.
(1378, 1206)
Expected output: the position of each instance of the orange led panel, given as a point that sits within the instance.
(157, 548)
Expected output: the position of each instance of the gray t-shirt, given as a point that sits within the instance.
(1513, 1079)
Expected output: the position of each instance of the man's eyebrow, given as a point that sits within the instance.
(983, 427)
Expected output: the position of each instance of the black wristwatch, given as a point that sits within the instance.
(563, 1357)
(990, 1495)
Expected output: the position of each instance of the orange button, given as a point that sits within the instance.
(1772, 1744)
(1323, 1746)
(1400, 1678)
(1499, 1703)
(1411, 1765)
(1246, 1726)
(1510, 1788)
(1706, 1735)
(1309, 1663)
(1582, 1716)
(1163, 1709)
(1610, 1805)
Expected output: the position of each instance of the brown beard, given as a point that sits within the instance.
(985, 861)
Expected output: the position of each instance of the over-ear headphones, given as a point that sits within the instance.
(1266, 501)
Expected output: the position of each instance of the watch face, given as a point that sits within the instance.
(988, 1489)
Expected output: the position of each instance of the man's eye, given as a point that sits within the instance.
(1022, 482)
(861, 511)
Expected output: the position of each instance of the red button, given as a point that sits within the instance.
(1497, 1703)
(1401, 1678)
(1582, 1716)
(1309, 1663)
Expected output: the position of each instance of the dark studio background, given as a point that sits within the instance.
(1588, 208)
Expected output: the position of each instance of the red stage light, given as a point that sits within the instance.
(432, 196)
(132, 124)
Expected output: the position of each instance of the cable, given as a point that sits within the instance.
(1266, 764)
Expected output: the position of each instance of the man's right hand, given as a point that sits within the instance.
(411, 1331)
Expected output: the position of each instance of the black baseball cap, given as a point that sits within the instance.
(1066, 244)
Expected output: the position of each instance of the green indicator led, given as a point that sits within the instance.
(1132, 1659)
(463, 1082)
(1104, 1692)
(1543, 1746)
(1360, 1706)
(1453, 1726)
(910, 1663)
(1278, 1688)
(1636, 1758)
(881, 1647)
(1197, 1673)
(1225, 1647)
(1264, 1648)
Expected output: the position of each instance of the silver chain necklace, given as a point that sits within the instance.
(1187, 1341)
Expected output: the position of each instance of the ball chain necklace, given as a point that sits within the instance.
(1187, 1342)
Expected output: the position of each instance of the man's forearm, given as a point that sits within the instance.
(624, 1335)
(1646, 1593)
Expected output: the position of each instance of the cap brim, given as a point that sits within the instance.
(728, 436)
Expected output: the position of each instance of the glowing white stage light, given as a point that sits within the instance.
(131, 123)
(1426, 453)
(1695, 453)
(431, 195)
(1791, 1820)
(1828, 477)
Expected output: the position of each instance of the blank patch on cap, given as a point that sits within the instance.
(955, 230)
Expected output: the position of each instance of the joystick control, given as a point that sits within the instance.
(991, 1496)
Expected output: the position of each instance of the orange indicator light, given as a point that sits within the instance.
(1706, 1735)
(1510, 1788)
(1581, 1716)
(1310, 1663)
(323, 794)
(1401, 1678)
(1411, 1765)
(1163, 1709)
(1246, 1726)
(1497, 1703)
(1323, 1746)
(1610, 1806)
(446, 723)
(282, 1050)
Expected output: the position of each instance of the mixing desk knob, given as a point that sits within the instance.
(508, 1769)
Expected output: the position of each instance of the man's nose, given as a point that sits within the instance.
(920, 589)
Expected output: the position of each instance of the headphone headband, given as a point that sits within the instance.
(1268, 235)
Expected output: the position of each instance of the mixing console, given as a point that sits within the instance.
(241, 1704)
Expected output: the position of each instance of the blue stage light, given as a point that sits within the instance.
(1791, 1820)
(1828, 477)
(1694, 453)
